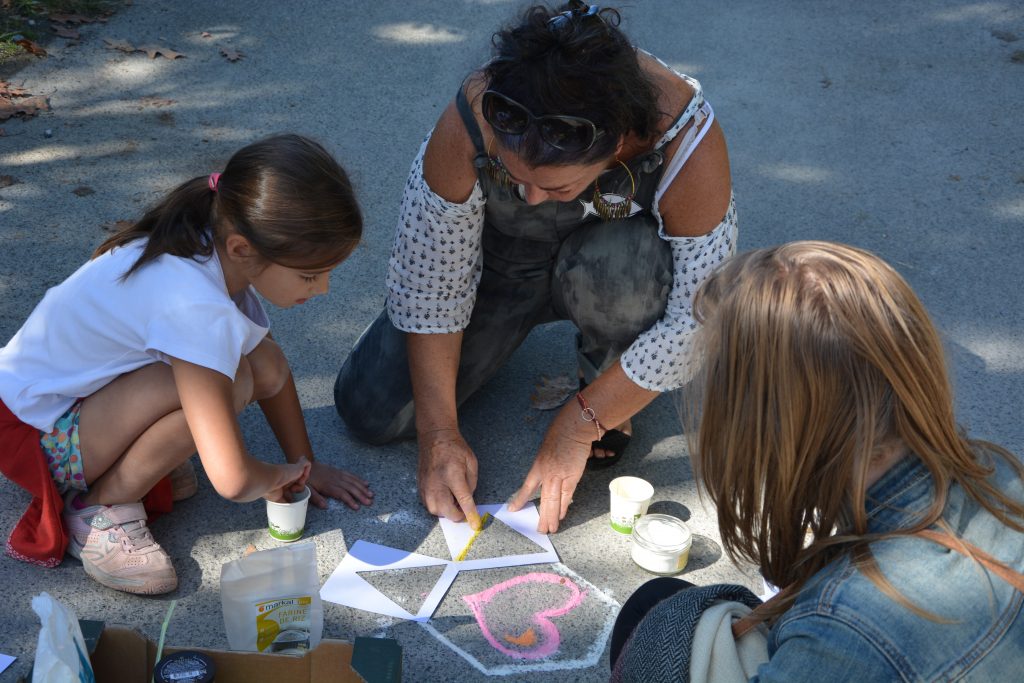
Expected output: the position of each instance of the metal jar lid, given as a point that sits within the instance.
(185, 667)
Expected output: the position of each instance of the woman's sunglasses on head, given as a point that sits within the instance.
(577, 9)
(567, 133)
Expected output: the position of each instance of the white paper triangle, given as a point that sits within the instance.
(345, 587)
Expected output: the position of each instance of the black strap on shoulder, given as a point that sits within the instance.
(469, 120)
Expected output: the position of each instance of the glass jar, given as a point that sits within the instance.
(661, 544)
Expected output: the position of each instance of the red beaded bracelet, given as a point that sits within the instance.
(589, 415)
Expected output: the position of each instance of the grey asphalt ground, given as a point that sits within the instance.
(893, 126)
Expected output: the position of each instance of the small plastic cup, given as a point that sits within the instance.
(630, 498)
(287, 521)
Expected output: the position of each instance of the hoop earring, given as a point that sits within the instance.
(496, 170)
(614, 210)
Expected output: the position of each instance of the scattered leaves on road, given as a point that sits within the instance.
(83, 191)
(231, 55)
(8, 180)
(549, 393)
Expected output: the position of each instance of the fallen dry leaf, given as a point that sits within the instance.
(117, 226)
(71, 19)
(156, 50)
(26, 107)
(7, 90)
(152, 50)
(231, 55)
(83, 191)
(8, 180)
(549, 394)
(67, 32)
(155, 102)
(122, 45)
(31, 47)
(249, 550)
(206, 34)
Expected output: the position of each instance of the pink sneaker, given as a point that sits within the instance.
(117, 549)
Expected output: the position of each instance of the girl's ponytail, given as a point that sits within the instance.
(179, 225)
(285, 194)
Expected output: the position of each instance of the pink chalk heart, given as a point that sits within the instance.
(549, 639)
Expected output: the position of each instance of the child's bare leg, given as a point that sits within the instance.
(270, 371)
(133, 432)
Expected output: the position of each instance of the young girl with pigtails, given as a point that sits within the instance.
(148, 352)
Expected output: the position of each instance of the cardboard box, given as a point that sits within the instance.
(123, 655)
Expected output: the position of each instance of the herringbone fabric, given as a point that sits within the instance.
(659, 648)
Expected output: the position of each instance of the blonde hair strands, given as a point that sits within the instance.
(818, 358)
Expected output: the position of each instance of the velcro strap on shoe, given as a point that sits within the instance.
(116, 515)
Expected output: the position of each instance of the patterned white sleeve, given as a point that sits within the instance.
(660, 359)
(436, 260)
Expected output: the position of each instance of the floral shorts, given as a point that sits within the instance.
(63, 456)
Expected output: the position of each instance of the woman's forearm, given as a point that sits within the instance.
(434, 368)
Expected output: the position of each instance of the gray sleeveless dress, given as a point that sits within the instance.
(552, 261)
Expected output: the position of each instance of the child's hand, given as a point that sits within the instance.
(292, 478)
(330, 482)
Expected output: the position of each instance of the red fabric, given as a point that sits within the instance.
(39, 536)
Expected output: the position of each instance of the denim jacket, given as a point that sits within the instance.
(843, 628)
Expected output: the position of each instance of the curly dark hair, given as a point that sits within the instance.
(584, 67)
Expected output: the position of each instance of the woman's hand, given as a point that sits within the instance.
(557, 470)
(447, 476)
(330, 482)
(291, 478)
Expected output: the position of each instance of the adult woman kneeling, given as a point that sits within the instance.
(572, 178)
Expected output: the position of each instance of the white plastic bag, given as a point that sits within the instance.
(61, 656)
(271, 600)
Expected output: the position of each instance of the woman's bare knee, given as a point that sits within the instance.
(270, 369)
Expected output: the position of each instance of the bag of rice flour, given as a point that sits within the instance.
(271, 600)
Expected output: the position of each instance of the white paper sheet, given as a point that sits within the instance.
(5, 661)
(345, 587)
(457, 535)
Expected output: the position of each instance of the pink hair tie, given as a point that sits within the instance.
(213, 180)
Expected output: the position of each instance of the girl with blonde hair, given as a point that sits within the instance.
(825, 435)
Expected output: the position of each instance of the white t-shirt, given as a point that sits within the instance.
(94, 327)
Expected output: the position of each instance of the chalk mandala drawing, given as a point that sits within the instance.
(537, 645)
